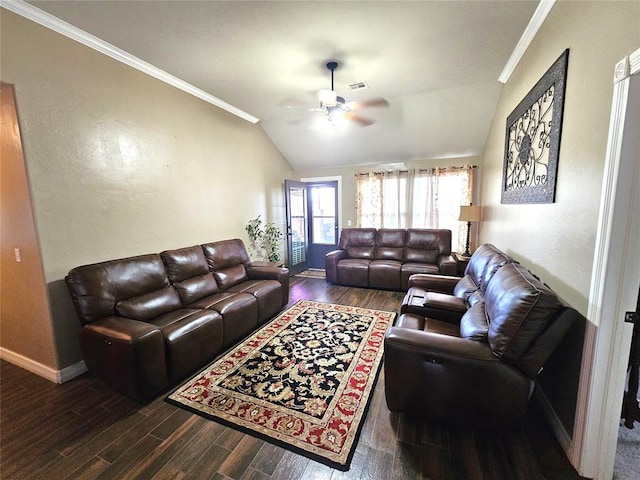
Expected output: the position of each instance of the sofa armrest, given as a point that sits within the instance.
(447, 264)
(433, 282)
(452, 379)
(331, 260)
(281, 274)
(128, 354)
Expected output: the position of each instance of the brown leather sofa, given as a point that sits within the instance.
(480, 370)
(386, 258)
(150, 320)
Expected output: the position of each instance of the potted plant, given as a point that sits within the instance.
(264, 243)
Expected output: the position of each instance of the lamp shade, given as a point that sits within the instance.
(470, 213)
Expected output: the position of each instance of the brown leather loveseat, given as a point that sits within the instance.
(385, 258)
(478, 370)
(150, 320)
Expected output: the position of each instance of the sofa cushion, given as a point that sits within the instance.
(385, 274)
(184, 263)
(228, 277)
(97, 288)
(225, 253)
(390, 244)
(465, 287)
(473, 324)
(239, 312)
(150, 305)
(424, 245)
(409, 269)
(484, 263)
(196, 288)
(358, 242)
(191, 337)
(188, 270)
(519, 307)
(353, 272)
(418, 322)
(266, 292)
(474, 298)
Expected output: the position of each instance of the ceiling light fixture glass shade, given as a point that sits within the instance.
(328, 98)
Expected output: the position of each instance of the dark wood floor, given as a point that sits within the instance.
(82, 429)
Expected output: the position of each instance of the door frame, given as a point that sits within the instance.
(614, 283)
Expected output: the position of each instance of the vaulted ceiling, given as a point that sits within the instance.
(436, 62)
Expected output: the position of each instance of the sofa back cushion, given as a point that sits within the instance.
(150, 305)
(390, 244)
(97, 288)
(226, 253)
(184, 263)
(228, 261)
(484, 263)
(519, 307)
(465, 287)
(228, 277)
(358, 242)
(473, 324)
(188, 271)
(425, 245)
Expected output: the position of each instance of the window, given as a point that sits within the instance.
(415, 199)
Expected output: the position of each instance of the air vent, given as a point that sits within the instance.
(358, 85)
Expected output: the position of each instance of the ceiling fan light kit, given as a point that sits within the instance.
(334, 112)
(328, 98)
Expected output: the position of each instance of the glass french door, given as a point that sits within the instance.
(297, 225)
(312, 223)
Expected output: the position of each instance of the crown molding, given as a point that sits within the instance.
(538, 18)
(53, 23)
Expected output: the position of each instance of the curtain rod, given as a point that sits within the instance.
(463, 167)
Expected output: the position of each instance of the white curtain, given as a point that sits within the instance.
(428, 198)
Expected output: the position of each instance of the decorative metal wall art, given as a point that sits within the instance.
(532, 142)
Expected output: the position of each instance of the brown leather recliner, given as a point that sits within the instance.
(481, 371)
(447, 297)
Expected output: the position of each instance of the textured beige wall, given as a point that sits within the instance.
(557, 240)
(122, 164)
(23, 297)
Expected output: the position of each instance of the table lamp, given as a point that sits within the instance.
(469, 213)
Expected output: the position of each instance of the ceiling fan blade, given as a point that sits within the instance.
(374, 102)
(365, 122)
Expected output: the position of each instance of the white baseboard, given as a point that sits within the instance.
(55, 376)
(556, 425)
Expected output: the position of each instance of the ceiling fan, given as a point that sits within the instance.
(335, 110)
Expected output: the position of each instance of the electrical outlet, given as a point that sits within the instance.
(17, 252)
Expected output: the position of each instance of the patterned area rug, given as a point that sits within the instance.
(302, 382)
